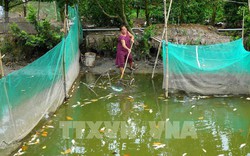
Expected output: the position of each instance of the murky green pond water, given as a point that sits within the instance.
(138, 121)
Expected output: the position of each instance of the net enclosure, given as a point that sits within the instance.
(30, 93)
(207, 69)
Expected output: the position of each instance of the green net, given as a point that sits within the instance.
(28, 94)
(210, 69)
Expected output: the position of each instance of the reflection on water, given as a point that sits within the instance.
(140, 121)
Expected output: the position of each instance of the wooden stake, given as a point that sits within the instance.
(63, 55)
(1, 66)
(243, 24)
(158, 52)
(166, 39)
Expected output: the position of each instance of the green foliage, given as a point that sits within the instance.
(144, 42)
(31, 45)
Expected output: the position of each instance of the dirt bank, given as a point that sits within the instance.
(103, 65)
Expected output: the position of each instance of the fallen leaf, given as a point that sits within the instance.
(156, 143)
(24, 148)
(66, 151)
(69, 118)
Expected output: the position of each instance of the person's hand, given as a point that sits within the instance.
(129, 50)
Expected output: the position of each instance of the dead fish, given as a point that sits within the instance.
(242, 145)
(159, 146)
(73, 106)
(204, 150)
(94, 100)
(150, 111)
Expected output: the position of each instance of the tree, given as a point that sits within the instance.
(115, 12)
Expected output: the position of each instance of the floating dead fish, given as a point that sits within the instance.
(158, 145)
(73, 106)
(44, 147)
(150, 111)
(190, 113)
(201, 118)
(86, 103)
(101, 98)
(235, 109)
(204, 150)
(248, 98)
(102, 129)
(33, 138)
(73, 141)
(94, 100)
(193, 106)
(184, 154)
(78, 102)
(242, 145)
(49, 126)
(161, 98)
(117, 89)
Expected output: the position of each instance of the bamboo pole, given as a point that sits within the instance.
(166, 39)
(125, 66)
(243, 25)
(158, 52)
(63, 55)
(1, 66)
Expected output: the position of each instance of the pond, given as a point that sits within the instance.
(137, 120)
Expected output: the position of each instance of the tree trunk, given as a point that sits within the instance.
(38, 10)
(213, 15)
(147, 12)
(6, 9)
(137, 12)
(24, 9)
(249, 5)
(124, 18)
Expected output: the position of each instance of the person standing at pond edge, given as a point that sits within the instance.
(124, 48)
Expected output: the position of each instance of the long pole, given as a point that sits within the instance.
(166, 39)
(63, 55)
(125, 66)
(158, 52)
(1, 66)
(243, 25)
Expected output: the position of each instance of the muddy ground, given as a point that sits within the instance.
(103, 65)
